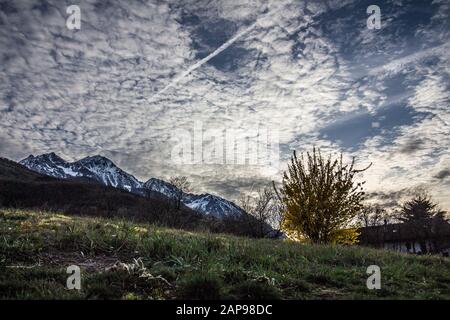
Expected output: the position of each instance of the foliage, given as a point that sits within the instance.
(425, 219)
(345, 236)
(420, 208)
(339, 236)
(320, 196)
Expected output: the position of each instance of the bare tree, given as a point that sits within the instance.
(279, 211)
(264, 207)
(372, 215)
(182, 186)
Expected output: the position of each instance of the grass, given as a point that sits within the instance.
(125, 260)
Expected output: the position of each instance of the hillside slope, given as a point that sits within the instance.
(123, 260)
(23, 188)
(10, 170)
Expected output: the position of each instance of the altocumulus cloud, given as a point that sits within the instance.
(309, 70)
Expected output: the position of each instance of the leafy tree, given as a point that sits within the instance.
(425, 219)
(320, 197)
(420, 209)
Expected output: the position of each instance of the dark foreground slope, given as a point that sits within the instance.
(10, 170)
(23, 188)
(123, 260)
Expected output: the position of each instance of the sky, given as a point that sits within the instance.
(167, 88)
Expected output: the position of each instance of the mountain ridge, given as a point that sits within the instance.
(106, 172)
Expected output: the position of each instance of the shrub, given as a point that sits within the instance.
(319, 196)
(345, 236)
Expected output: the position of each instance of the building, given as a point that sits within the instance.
(431, 237)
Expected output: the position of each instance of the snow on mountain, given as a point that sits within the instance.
(49, 164)
(106, 172)
(161, 186)
(204, 203)
(211, 205)
(97, 168)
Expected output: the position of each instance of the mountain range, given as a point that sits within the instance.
(105, 172)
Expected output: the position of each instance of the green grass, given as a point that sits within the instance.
(125, 260)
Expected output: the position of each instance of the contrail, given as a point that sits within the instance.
(396, 65)
(210, 56)
(205, 59)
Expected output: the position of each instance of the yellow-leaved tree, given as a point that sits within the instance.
(320, 198)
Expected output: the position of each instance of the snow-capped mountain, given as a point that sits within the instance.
(204, 203)
(106, 172)
(161, 186)
(211, 204)
(49, 164)
(97, 168)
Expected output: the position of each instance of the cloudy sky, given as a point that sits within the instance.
(140, 77)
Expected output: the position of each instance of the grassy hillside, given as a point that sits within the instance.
(122, 260)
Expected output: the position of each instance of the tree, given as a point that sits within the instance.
(372, 215)
(264, 209)
(420, 209)
(320, 197)
(182, 185)
(425, 219)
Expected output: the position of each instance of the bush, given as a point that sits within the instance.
(320, 197)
